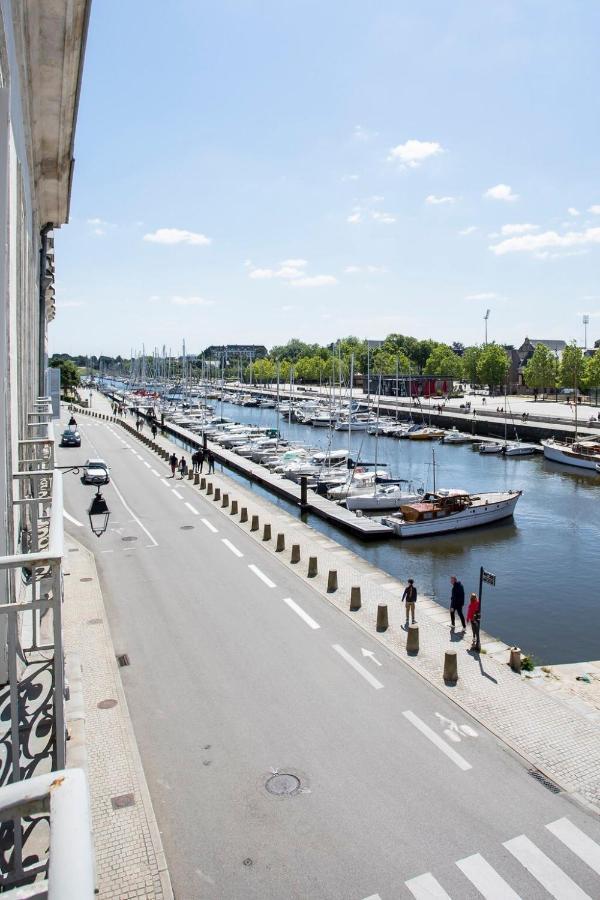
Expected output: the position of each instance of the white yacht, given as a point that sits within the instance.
(454, 436)
(384, 496)
(451, 510)
(585, 454)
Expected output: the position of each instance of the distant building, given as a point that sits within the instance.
(527, 349)
(410, 385)
(230, 352)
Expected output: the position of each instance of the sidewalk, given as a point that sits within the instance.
(557, 737)
(130, 862)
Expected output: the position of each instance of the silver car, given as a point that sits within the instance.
(95, 471)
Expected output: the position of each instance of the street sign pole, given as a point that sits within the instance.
(489, 578)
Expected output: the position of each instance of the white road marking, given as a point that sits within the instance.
(154, 472)
(107, 551)
(557, 883)
(232, 547)
(165, 482)
(439, 742)
(192, 508)
(485, 878)
(577, 841)
(147, 464)
(72, 519)
(210, 526)
(299, 611)
(132, 514)
(357, 666)
(425, 887)
(373, 897)
(261, 575)
(177, 494)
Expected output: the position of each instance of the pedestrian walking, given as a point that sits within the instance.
(141, 421)
(474, 617)
(211, 461)
(173, 464)
(410, 598)
(200, 459)
(182, 467)
(154, 431)
(457, 601)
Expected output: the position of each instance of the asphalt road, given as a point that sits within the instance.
(240, 671)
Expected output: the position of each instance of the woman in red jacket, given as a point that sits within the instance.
(474, 618)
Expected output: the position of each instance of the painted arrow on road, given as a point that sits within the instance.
(370, 654)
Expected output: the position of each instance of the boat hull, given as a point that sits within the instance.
(473, 517)
(561, 454)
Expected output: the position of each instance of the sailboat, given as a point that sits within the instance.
(584, 454)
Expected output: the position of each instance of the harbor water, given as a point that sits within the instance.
(546, 599)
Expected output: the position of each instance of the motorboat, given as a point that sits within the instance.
(585, 454)
(517, 448)
(451, 510)
(358, 482)
(427, 433)
(454, 436)
(491, 447)
(384, 496)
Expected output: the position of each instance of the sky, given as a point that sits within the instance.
(248, 172)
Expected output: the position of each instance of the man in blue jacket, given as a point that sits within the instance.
(457, 601)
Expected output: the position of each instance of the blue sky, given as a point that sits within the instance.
(252, 171)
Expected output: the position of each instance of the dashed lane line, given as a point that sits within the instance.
(210, 526)
(192, 508)
(232, 547)
(357, 667)
(154, 472)
(264, 578)
(300, 612)
(439, 742)
(177, 494)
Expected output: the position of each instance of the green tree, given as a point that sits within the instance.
(263, 370)
(470, 358)
(492, 366)
(385, 363)
(443, 361)
(593, 372)
(572, 367)
(69, 374)
(540, 371)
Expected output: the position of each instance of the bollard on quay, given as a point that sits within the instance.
(217, 494)
(280, 545)
(515, 659)
(254, 524)
(209, 489)
(203, 484)
(244, 514)
(332, 581)
(234, 508)
(267, 532)
(313, 569)
(412, 640)
(355, 599)
(196, 478)
(382, 617)
(225, 501)
(295, 557)
(450, 667)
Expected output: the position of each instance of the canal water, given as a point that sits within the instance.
(546, 599)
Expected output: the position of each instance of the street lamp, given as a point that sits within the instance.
(485, 319)
(98, 514)
(586, 322)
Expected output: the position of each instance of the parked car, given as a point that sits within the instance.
(70, 438)
(95, 471)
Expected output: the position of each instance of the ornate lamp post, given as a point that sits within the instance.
(98, 514)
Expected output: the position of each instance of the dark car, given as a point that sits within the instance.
(70, 438)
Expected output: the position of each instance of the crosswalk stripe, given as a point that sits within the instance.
(557, 883)
(485, 878)
(425, 887)
(576, 840)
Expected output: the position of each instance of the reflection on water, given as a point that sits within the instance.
(546, 598)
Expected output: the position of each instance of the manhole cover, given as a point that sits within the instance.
(94, 621)
(130, 538)
(186, 527)
(86, 579)
(107, 704)
(122, 800)
(73, 549)
(283, 784)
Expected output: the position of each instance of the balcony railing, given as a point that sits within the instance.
(32, 702)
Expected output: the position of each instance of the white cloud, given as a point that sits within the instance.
(548, 240)
(354, 218)
(438, 201)
(295, 263)
(413, 152)
(177, 236)
(99, 223)
(524, 228)
(288, 269)
(501, 192)
(468, 230)
(372, 270)
(486, 295)
(573, 212)
(362, 134)
(154, 298)
(383, 217)
(191, 301)
(594, 209)
(311, 281)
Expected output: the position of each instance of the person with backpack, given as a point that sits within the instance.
(173, 464)
(182, 468)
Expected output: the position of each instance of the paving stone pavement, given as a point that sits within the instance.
(554, 736)
(130, 861)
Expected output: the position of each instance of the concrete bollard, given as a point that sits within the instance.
(190, 475)
(254, 524)
(332, 581)
(225, 501)
(234, 508)
(382, 617)
(209, 489)
(244, 514)
(515, 659)
(313, 568)
(450, 667)
(196, 479)
(217, 494)
(412, 640)
(267, 532)
(280, 545)
(203, 484)
(355, 599)
(295, 557)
